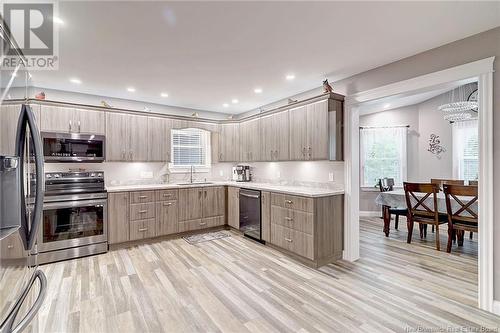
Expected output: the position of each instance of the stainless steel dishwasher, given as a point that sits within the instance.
(250, 223)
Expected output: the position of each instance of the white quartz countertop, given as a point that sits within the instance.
(305, 191)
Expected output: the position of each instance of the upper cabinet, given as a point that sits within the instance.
(71, 120)
(159, 139)
(250, 139)
(310, 135)
(229, 142)
(126, 137)
(275, 137)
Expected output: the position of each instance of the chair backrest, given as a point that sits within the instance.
(386, 184)
(473, 182)
(441, 182)
(421, 199)
(460, 202)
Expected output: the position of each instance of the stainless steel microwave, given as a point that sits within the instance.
(73, 147)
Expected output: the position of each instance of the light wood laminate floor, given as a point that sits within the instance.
(236, 285)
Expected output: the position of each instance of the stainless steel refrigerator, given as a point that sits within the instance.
(22, 285)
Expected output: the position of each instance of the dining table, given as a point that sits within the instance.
(397, 199)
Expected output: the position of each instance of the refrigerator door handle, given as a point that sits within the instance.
(27, 118)
(34, 308)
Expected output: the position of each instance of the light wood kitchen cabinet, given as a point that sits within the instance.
(67, 119)
(190, 203)
(250, 139)
(309, 137)
(159, 139)
(118, 218)
(275, 137)
(167, 218)
(311, 228)
(9, 116)
(126, 137)
(213, 201)
(142, 229)
(229, 142)
(233, 207)
(12, 247)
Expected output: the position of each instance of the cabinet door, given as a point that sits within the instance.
(9, 115)
(233, 209)
(317, 131)
(190, 203)
(118, 217)
(229, 143)
(159, 139)
(253, 139)
(298, 133)
(167, 218)
(275, 137)
(117, 136)
(58, 119)
(138, 138)
(213, 201)
(87, 121)
(244, 145)
(266, 216)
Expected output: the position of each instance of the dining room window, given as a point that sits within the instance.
(190, 147)
(383, 154)
(466, 150)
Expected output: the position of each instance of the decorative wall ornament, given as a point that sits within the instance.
(327, 88)
(40, 95)
(435, 146)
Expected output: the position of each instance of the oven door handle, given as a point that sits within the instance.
(76, 203)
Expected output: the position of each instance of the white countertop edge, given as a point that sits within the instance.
(295, 190)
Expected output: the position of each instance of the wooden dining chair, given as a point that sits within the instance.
(464, 218)
(422, 211)
(386, 185)
(441, 182)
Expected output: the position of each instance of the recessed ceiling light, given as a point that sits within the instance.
(257, 90)
(290, 76)
(75, 80)
(225, 105)
(387, 105)
(131, 89)
(234, 101)
(57, 20)
(163, 94)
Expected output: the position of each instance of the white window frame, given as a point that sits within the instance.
(403, 157)
(458, 147)
(187, 168)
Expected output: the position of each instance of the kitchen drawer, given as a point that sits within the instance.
(142, 229)
(213, 221)
(166, 195)
(292, 240)
(142, 211)
(292, 202)
(142, 196)
(293, 219)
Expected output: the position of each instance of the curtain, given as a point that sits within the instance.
(383, 154)
(465, 136)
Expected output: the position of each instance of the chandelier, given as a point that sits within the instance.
(462, 104)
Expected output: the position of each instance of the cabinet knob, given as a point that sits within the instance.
(143, 229)
(203, 223)
(289, 240)
(143, 211)
(288, 218)
(289, 202)
(10, 246)
(143, 196)
(167, 204)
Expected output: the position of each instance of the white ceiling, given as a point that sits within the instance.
(204, 54)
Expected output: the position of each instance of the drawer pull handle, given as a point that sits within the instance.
(10, 246)
(167, 195)
(288, 240)
(203, 223)
(288, 219)
(143, 229)
(289, 202)
(143, 211)
(143, 196)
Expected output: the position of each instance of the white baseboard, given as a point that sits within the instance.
(496, 307)
(367, 213)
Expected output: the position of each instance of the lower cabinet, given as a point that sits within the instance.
(167, 218)
(142, 229)
(233, 207)
(118, 217)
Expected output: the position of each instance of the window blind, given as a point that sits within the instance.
(190, 147)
